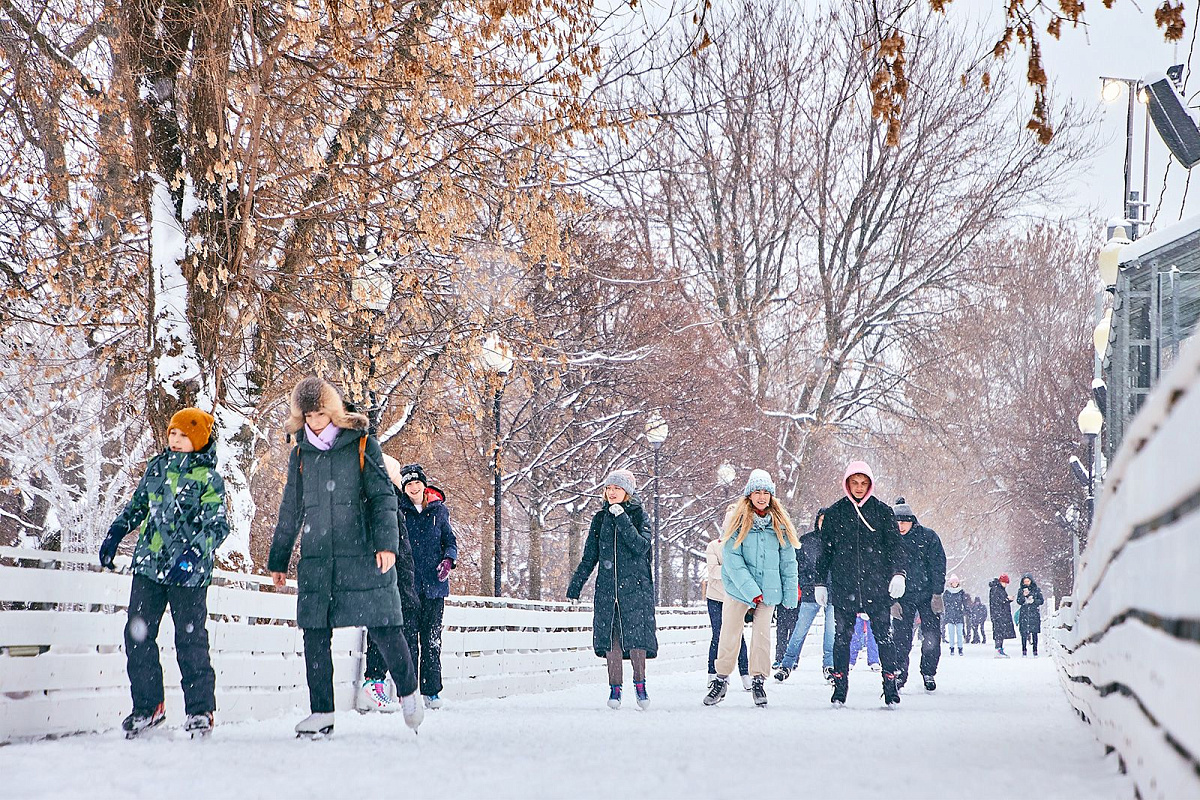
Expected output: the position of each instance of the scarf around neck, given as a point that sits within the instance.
(323, 440)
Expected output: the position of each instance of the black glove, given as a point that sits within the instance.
(108, 550)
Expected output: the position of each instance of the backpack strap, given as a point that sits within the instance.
(362, 453)
(299, 460)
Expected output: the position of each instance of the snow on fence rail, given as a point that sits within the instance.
(62, 660)
(1128, 646)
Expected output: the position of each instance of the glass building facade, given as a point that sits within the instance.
(1156, 307)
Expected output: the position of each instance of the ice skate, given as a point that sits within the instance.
(747, 683)
(758, 691)
(315, 726)
(828, 673)
(716, 691)
(433, 701)
(138, 723)
(783, 674)
(413, 710)
(199, 726)
(614, 697)
(930, 683)
(375, 698)
(891, 694)
(643, 698)
(841, 687)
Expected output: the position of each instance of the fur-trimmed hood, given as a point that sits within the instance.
(317, 394)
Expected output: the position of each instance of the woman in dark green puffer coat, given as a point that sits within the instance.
(623, 623)
(339, 501)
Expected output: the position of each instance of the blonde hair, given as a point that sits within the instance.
(741, 519)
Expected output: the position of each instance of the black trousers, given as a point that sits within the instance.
(423, 633)
(931, 636)
(318, 663)
(785, 623)
(881, 627)
(1026, 637)
(189, 610)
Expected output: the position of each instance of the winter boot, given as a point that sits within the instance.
(841, 686)
(139, 722)
(614, 697)
(413, 710)
(315, 726)
(782, 674)
(375, 697)
(199, 726)
(716, 691)
(960, 651)
(891, 694)
(433, 701)
(759, 693)
(747, 682)
(930, 683)
(643, 698)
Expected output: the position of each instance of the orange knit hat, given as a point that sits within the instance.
(195, 424)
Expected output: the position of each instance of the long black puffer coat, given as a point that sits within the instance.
(1030, 600)
(1002, 621)
(620, 546)
(343, 512)
(956, 606)
(860, 562)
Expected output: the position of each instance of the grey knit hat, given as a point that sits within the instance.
(903, 511)
(759, 479)
(623, 478)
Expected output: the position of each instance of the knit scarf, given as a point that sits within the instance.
(323, 440)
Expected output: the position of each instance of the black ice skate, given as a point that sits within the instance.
(759, 693)
(891, 694)
(315, 726)
(841, 687)
(716, 691)
(140, 722)
(199, 726)
(782, 674)
(930, 683)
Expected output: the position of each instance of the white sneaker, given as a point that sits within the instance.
(747, 682)
(414, 710)
(315, 726)
(375, 697)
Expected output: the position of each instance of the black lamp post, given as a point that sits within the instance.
(1090, 422)
(498, 358)
(656, 433)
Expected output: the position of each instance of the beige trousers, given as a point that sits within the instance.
(733, 621)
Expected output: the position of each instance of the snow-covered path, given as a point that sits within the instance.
(993, 729)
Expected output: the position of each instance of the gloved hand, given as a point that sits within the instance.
(758, 600)
(896, 587)
(108, 551)
(896, 611)
(616, 509)
(938, 604)
(820, 595)
(443, 570)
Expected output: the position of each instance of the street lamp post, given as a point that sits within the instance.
(497, 356)
(372, 289)
(1090, 422)
(656, 433)
(1133, 207)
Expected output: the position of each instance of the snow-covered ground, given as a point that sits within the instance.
(993, 729)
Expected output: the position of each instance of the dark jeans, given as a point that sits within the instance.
(1025, 639)
(423, 634)
(714, 617)
(931, 639)
(189, 610)
(318, 663)
(785, 623)
(881, 627)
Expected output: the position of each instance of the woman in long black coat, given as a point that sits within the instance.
(1002, 621)
(1029, 601)
(623, 625)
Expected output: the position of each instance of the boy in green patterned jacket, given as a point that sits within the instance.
(179, 509)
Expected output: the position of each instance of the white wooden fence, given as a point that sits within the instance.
(1128, 645)
(62, 660)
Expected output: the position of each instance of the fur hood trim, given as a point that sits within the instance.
(317, 394)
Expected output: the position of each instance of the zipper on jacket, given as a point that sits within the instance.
(616, 593)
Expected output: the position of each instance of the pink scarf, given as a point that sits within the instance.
(324, 439)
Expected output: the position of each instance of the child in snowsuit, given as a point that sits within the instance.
(179, 508)
(1029, 600)
(623, 626)
(759, 572)
(339, 502)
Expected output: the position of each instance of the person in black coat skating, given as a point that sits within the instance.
(925, 576)
(1002, 622)
(863, 556)
(1029, 600)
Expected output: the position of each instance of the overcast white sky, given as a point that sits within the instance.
(1121, 42)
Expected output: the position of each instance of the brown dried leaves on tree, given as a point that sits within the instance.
(1022, 21)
